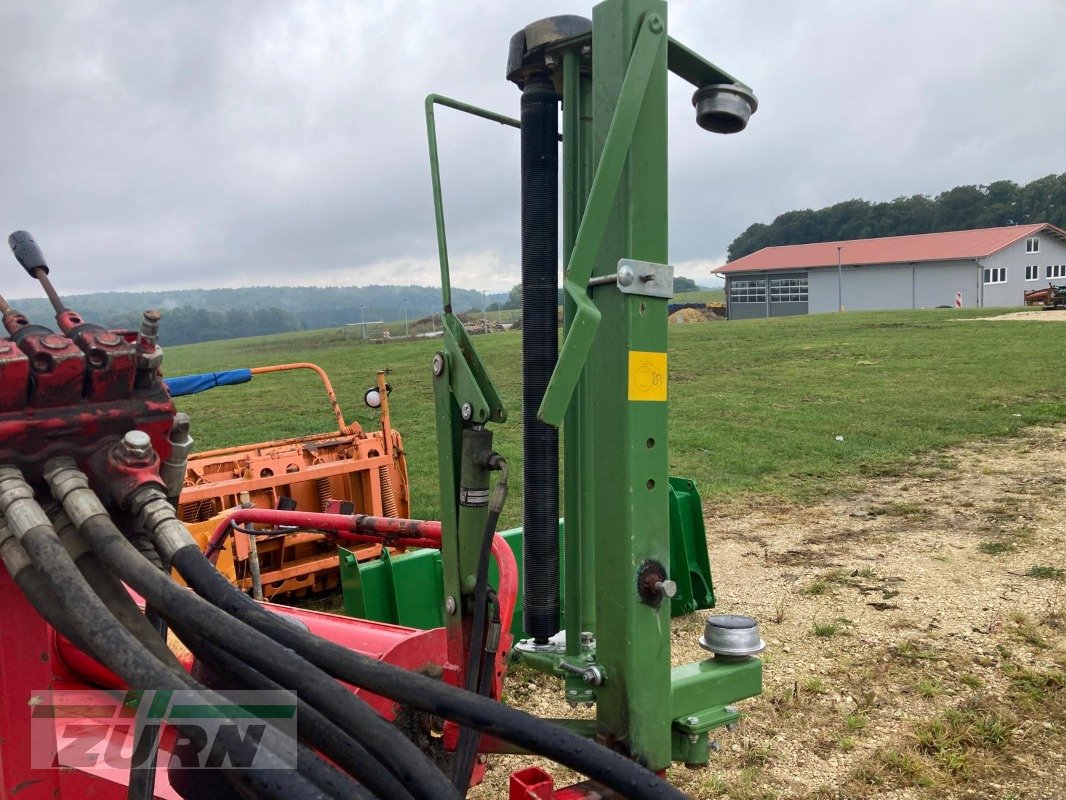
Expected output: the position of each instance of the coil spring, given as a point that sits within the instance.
(325, 493)
(199, 510)
(388, 496)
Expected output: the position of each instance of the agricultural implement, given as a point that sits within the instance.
(353, 469)
(92, 463)
(1051, 298)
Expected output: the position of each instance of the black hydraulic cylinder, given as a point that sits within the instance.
(540, 351)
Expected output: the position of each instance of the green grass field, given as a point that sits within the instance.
(755, 406)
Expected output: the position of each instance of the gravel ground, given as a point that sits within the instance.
(1039, 315)
(883, 612)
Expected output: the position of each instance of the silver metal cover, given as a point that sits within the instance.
(732, 635)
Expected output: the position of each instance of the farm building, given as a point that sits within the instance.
(984, 267)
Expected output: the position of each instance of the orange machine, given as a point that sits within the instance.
(366, 469)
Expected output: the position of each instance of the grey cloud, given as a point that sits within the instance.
(205, 143)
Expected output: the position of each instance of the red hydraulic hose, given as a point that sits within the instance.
(365, 529)
(359, 528)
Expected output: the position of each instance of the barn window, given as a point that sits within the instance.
(1056, 271)
(788, 290)
(1032, 245)
(996, 275)
(1032, 273)
(747, 291)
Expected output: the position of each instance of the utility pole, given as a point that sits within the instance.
(362, 318)
(485, 309)
(840, 279)
(406, 327)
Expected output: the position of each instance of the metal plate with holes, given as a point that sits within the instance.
(645, 278)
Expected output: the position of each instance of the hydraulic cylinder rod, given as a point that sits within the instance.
(540, 351)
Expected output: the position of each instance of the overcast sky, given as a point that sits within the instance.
(235, 142)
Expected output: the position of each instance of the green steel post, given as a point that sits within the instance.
(629, 483)
(579, 575)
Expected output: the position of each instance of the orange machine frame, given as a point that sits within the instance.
(367, 469)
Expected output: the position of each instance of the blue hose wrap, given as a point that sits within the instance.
(194, 384)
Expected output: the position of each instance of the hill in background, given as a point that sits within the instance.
(202, 315)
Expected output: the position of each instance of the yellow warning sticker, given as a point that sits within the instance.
(647, 375)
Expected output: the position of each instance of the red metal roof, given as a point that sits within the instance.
(947, 246)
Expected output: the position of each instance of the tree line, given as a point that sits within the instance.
(203, 315)
(976, 206)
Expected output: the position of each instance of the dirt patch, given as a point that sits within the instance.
(1039, 315)
(690, 315)
(915, 637)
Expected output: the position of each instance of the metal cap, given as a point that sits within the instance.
(525, 55)
(732, 635)
(724, 107)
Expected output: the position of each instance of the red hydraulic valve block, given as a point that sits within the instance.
(51, 404)
(14, 376)
(56, 364)
(110, 360)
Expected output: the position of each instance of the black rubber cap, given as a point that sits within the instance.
(27, 252)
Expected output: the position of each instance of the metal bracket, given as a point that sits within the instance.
(645, 278)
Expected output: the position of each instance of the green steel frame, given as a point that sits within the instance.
(616, 483)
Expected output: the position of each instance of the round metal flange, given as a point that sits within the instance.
(732, 635)
(724, 107)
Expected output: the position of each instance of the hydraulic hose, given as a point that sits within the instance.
(108, 587)
(357, 719)
(540, 351)
(35, 589)
(431, 696)
(117, 648)
(419, 692)
(315, 728)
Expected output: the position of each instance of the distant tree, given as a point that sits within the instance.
(514, 297)
(685, 285)
(995, 204)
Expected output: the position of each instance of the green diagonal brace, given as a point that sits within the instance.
(586, 319)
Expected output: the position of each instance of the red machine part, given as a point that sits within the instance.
(110, 361)
(14, 377)
(361, 528)
(34, 659)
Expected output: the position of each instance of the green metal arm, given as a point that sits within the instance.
(586, 319)
(469, 380)
(434, 170)
(695, 69)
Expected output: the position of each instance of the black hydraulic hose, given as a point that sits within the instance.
(466, 746)
(109, 588)
(35, 589)
(314, 727)
(123, 654)
(388, 744)
(540, 351)
(434, 697)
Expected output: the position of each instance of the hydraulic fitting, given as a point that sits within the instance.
(174, 466)
(155, 515)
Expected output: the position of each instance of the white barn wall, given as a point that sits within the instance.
(887, 286)
(1015, 259)
(924, 284)
(935, 284)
